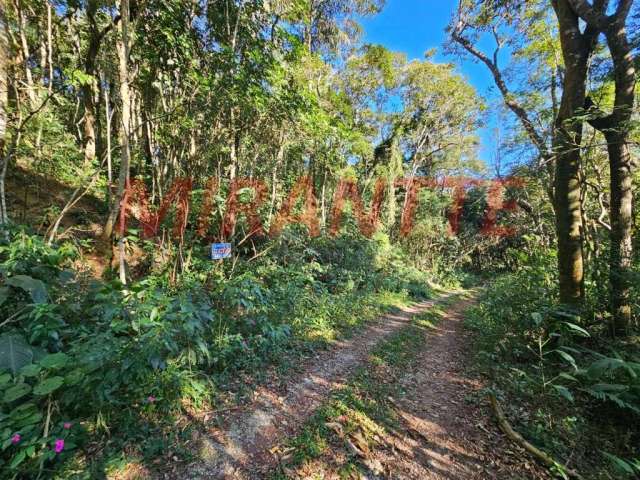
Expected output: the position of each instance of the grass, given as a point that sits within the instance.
(360, 413)
(122, 459)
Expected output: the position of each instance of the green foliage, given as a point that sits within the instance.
(137, 356)
(553, 360)
(627, 468)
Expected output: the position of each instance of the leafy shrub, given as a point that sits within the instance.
(557, 361)
(136, 356)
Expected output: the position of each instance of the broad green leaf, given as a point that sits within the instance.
(18, 459)
(30, 420)
(16, 392)
(48, 386)
(4, 294)
(15, 353)
(36, 288)
(30, 370)
(54, 360)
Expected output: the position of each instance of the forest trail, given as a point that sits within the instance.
(443, 433)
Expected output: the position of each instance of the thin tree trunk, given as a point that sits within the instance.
(108, 116)
(274, 175)
(621, 249)
(125, 118)
(621, 165)
(4, 99)
(50, 46)
(22, 22)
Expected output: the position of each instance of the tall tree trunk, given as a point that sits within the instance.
(4, 99)
(621, 249)
(22, 24)
(89, 126)
(621, 177)
(87, 89)
(125, 118)
(274, 176)
(108, 116)
(577, 48)
(617, 129)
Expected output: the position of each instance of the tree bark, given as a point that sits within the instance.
(621, 249)
(4, 99)
(577, 48)
(125, 118)
(26, 54)
(617, 130)
(88, 88)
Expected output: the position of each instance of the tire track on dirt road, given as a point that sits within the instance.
(241, 447)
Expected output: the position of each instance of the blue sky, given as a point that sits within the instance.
(415, 26)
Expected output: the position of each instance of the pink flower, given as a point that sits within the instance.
(16, 439)
(66, 425)
(59, 446)
(151, 399)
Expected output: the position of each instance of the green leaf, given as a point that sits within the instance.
(568, 377)
(48, 386)
(607, 364)
(4, 294)
(34, 287)
(564, 392)
(568, 358)
(577, 328)
(29, 420)
(608, 388)
(18, 459)
(54, 360)
(31, 370)
(16, 392)
(74, 377)
(4, 379)
(620, 464)
(537, 318)
(15, 353)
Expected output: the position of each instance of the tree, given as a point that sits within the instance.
(577, 48)
(616, 128)
(125, 119)
(4, 115)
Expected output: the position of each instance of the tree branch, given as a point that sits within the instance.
(588, 13)
(512, 104)
(595, 17)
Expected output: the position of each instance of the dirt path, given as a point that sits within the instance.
(241, 448)
(445, 431)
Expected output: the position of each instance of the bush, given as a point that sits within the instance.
(136, 356)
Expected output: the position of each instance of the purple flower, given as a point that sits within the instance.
(16, 439)
(151, 399)
(66, 425)
(59, 445)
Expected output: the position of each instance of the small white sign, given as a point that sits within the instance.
(220, 251)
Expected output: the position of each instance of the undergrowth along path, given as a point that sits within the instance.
(414, 412)
(242, 447)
